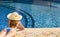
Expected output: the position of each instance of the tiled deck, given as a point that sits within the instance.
(39, 32)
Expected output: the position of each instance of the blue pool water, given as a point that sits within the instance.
(34, 16)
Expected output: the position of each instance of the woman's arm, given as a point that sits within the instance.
(12, 33)
(20, 26)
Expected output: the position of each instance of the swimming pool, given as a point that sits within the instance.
(34, 16)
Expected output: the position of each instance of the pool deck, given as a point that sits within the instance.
(39, 32)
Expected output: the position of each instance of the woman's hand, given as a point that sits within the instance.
(12, 33)
(20, 26)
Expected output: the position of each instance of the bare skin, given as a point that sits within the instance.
(3, 33)
(19, 25)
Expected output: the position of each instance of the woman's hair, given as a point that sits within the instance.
(13, 23)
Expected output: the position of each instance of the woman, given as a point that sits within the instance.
(12, 33)
(14, 20)
(16, 24)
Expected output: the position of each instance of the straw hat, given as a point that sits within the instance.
(14, 16)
